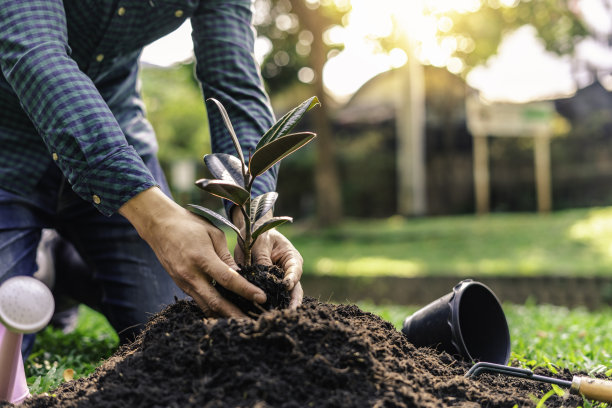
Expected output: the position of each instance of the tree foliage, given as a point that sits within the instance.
(283, 23)
(478, 34)
(176, 110)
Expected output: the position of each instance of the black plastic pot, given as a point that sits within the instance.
(468, 322)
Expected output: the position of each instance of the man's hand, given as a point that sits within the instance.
(273, 248)
(192, 251)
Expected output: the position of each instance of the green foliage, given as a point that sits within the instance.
(235, 177)
(482, 31)
(288, 26)
(82, 350)
(176, 110)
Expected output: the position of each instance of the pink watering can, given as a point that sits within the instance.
(26, 306)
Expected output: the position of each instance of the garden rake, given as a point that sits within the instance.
(591, 388)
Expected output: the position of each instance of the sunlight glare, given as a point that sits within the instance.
(174, 47)
(398, 57)
(595, 230)
(461, 6)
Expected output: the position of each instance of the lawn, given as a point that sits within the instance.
(570, 243)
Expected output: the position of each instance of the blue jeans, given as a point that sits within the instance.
(106, 264)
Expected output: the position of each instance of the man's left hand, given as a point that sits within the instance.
(273, 248)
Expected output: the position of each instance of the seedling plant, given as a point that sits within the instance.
(233, 177)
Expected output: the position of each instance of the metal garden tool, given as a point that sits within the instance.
(26, 306)
(590, 388)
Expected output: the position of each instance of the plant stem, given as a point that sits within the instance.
(246, 211)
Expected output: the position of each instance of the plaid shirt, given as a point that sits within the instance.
(69, 89)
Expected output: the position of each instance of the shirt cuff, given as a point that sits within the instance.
(118, 178)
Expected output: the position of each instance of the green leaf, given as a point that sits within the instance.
(260, 205)
(230, 128)
(284, 125)
(270, 154)
(225, 167)
(269, 224)
(558, 390)
(542, 401)
(224, 189)
(216, 219)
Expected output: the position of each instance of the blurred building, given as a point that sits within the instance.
(366, 135)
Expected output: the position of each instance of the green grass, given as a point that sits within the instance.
(544, 335)
(80, 351)
(572, 242)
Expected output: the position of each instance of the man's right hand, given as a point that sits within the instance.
(192, 251)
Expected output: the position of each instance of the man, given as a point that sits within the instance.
(79, 156)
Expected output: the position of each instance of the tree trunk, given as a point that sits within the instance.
(410, 122)
(327, 184)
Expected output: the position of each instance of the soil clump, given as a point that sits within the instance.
(320, 355)
(270, 280)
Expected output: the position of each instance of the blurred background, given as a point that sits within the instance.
(456, 138)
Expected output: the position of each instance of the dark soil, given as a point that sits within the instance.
(270, 280)
(320, 355)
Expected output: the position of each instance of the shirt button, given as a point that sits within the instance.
(99, 57)
(96, 199)
(55, 156)
(121, 11)
(178, 13)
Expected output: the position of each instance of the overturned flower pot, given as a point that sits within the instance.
(468, 322)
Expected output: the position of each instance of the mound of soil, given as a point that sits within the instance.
(321, 355)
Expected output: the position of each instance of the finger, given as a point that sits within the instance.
(297, 295)
(239, 255)
(261, 251)
(233, 281)
(211, 302)
(220, 247)
(261, 256)
(293, 272)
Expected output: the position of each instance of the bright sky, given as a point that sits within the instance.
(521, 71)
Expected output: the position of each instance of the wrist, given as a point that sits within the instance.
(148, 209)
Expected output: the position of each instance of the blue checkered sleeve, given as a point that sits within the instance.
(223, 37)
(75, 123)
